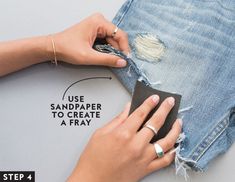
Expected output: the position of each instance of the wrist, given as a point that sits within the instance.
(36, 47)
(56, 39)
(48, 48)
(51, 48)
(51, 52)
(41, 48)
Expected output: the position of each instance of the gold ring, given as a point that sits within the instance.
(114, 32)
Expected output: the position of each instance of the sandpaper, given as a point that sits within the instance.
(141, 93)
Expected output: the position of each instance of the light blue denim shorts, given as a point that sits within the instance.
(186, 47)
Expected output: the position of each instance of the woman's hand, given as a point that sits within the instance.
(74, 45)
(119, 153)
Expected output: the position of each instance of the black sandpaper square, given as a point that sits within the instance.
(141, 93)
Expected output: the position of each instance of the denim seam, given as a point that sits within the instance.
(124, 12)
(209, 139)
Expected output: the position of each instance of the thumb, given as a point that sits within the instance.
(98, 58)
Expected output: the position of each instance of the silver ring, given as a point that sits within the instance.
(114, 32)
(158, 149)
(151, 128)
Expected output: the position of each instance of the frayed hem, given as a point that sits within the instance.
(182, 164)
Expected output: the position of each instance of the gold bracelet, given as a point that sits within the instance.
(54, 50)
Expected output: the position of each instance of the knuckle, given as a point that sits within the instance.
(167, 105)
(170, 142)
(149, 103)
(144, 109)
(141, 113)
(110, 59)
(123, 135)
(159, 117)
(113, 61)
(177, 128)
(119, 117)
(135, 151)
(108, 63)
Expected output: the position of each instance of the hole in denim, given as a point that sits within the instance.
(149, 47)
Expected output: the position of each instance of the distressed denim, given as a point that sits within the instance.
(186, 47)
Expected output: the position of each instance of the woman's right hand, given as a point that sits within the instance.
(118, 152)
(74, 45)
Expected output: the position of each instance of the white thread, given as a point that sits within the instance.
(149, 47)
(129, 55)
(141, 66)
(185, 109)
(140, 78)
(156, 83)
(181, 166)
(129, 71)
(182, 117)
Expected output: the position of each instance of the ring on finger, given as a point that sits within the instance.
(151, 128)
(114, 32)
(158, 149)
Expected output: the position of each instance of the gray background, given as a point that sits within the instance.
(30, 139)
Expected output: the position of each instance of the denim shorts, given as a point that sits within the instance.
(185, 47)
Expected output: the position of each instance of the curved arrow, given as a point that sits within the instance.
(91, 78)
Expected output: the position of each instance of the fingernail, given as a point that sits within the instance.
(180, 122)
(171, 101)
(155, 98)
(121, 63)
